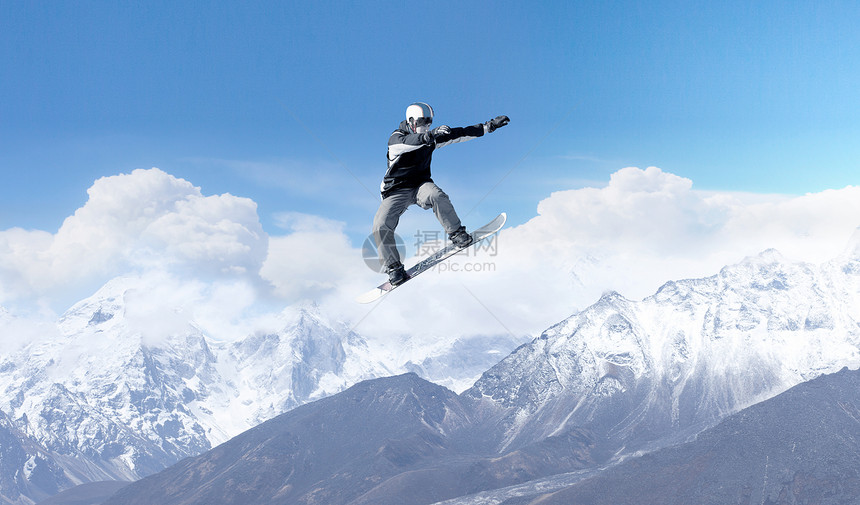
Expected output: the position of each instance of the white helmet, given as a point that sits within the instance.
(419, 115)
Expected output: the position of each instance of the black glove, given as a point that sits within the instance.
(441, 130)
(496, 123)
(430, 136)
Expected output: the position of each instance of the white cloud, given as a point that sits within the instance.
(147, 219)
(159, 304)
(18, 331)
(315, 260)
(656, 215)
(301, 222)
(222, 233)
(643, 228)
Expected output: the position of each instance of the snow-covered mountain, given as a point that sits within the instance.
(802, 446)
(592, 392)
(118, 395)
(680, 360)
(117, 392)
(109, 399)
(27, 470)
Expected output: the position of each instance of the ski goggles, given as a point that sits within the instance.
(423, 121)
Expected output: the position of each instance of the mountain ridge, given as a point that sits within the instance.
(618, 378)
(754, 456)
(683, 358)
(110, 398)
(125, 386)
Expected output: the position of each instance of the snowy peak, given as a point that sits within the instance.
(692, 353)
(131, 384)
(99, 308)
(852, 250)
(311, 357)
(849, 261)
(768, 271)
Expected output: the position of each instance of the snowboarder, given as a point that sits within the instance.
(407, 181)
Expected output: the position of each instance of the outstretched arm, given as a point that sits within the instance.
(445, 135)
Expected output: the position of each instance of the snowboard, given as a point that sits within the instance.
(486, 231)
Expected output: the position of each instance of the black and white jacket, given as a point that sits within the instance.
(409, 155)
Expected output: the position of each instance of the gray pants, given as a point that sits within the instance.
(426, 196)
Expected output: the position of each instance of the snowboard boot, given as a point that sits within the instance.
(397, 274)
(460, 238)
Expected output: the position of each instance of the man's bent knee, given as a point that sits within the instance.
(429, 194)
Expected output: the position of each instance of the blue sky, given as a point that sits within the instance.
(291, 103)
(267, 122)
